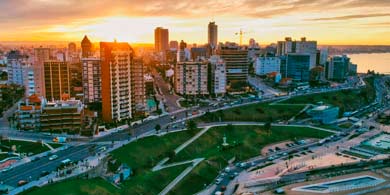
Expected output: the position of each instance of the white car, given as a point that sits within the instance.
(53, 157)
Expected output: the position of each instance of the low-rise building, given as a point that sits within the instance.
(29, 112)
(62, 116)
(326, 114)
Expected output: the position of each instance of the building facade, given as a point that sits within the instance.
(265, 65)
(296, 67)
(236, 61)
(56, 79)
(138, 86)
(92, 80)
(161, 39)
(298, 47)
(191, 78)
(16, 62)
(212, 35)
(86, 48)
(28, 113)
(40, 56)
(116, 61)
(218, 75)
(338, 68)
(62, 116)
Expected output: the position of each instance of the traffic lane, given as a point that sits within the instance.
(34, 169)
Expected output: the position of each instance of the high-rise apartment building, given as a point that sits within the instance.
(15, 64)
(213, 35)
(299, 47)
(116, 61)
(218, 75)
(236, 60)
(191, 78)
(91, 80)
(57, 80)
(86, 48)
(20, 72)
(161, 39)
(40, 56)
(138, 86)
(265, 65)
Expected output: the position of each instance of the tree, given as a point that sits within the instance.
(157, 128)
(191, 125)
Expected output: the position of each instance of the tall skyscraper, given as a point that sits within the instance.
(57, 79)
(116, 61)
(40, 56)
(92, 80)
(213, 34)
(161, 39)
(86, 48)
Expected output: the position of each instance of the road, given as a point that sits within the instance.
(168, 98)
(33, 169)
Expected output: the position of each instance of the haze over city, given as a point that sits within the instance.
(363, 22)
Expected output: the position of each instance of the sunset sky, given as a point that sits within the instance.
(327, 21)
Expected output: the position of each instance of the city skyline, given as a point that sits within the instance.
(327, 21)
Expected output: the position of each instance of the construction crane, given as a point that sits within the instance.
(241, 33)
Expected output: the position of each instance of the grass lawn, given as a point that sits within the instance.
(252, 139)
(346, 125)
(96, 186)
(346, 100)
(254, 112)
(25, 146)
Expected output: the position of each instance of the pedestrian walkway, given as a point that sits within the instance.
(181, 176)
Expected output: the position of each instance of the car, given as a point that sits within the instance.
(271, 150)
(218, 181)
(53, 157)
(22, 182)
(277, 148)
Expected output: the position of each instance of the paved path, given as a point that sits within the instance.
(181, 176)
